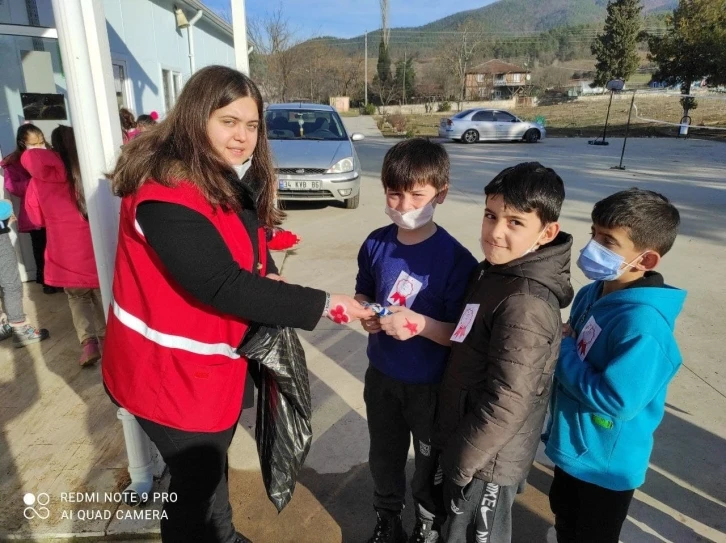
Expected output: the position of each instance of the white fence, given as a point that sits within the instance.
(421, 108)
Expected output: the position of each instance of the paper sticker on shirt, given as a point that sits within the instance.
(465, 323)
(404, 290)
(587, 338)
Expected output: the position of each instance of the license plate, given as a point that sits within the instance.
(286, 184)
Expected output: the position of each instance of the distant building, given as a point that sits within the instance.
(495, 80)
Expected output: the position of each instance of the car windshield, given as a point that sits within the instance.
(308, 124)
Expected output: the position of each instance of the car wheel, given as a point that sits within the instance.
(470, 136)
(532, 135)
(352, 203)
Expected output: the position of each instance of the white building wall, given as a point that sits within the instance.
(143, 34)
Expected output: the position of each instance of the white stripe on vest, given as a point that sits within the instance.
(170, 341)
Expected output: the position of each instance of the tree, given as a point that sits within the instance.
(693, 47)
(616, 49)
(457, 52)
(384, 63)
(275, 40)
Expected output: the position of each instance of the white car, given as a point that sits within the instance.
(472, 125)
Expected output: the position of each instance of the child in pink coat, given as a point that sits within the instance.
(55, 200)
(16, 180)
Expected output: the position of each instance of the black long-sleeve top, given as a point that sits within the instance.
(196, 256)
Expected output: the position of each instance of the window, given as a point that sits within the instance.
(119, 84)
(283, 124)
(516, 78)
(484, 116)
(480, 78)
(463, 114)
(504, 117)
(171, 82)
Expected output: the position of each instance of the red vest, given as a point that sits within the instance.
(168, 357)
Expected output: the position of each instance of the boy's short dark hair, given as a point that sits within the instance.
(414, 162)
(649, 217)
(529, 186)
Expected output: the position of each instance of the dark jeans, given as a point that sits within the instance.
(39, 240)
(197, 464)
(585, 512)
(480, 512)
(396, 411)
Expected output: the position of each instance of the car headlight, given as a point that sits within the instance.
(342, 166)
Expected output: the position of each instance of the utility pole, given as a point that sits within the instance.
(365, 63)
(404, 76)
(239, 30)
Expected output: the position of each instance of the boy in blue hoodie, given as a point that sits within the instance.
(617, 357)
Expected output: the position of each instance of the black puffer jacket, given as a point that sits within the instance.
(497, 384)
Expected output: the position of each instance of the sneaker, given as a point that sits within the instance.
(27, 335)
(389, 528)
(6, 331)
(282, 240)
(91, 353)
(425, 532)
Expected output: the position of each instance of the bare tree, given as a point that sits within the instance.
(386, 92)
(458, 51)
(275, 42)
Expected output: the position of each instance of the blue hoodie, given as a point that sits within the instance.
(606, 407)
(6, 210)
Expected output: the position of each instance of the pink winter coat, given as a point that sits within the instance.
(16, 183)
(69, 259)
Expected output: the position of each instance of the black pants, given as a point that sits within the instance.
(197, 464)
(38, 240)
(396, 411)
(587, 513)
(480, 512)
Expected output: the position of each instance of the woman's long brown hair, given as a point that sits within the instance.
(64, 143)
(178, 148)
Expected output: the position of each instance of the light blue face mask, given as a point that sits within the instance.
(599, 263)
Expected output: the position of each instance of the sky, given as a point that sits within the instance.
(349, 18)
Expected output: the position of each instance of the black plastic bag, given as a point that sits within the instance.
(283, 430)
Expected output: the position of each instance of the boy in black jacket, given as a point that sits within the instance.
(497, 384)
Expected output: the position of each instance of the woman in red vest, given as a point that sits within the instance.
(192, 272)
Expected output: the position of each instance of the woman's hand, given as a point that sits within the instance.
(344, 309)
(403, 324)
(276, 277)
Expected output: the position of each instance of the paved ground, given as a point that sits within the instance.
(59, 433)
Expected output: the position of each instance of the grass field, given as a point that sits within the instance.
(586, 118)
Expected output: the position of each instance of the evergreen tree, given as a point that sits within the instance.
(616, 48)
(384, 63)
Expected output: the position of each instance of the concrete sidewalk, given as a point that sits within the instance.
(60, 433)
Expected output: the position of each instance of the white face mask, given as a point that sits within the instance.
(411, 220)
(532, 248)
(241, 169)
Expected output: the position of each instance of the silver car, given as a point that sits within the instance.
(472, 125)
(314, 155)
